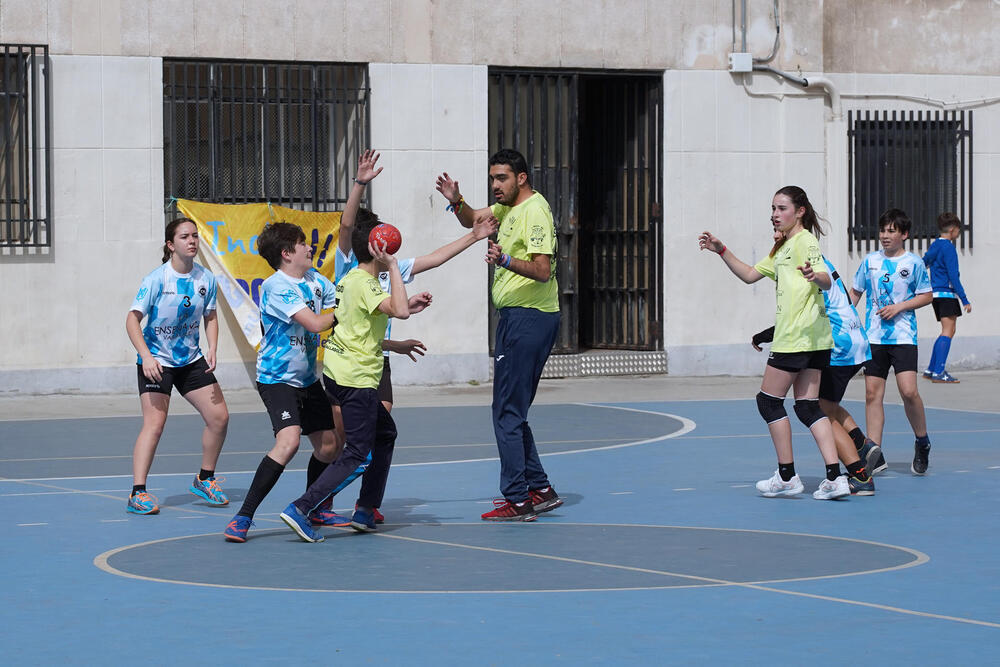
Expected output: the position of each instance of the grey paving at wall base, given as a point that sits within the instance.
(978, 391)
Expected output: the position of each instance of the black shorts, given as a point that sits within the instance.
(793, 362)
(297, 406)
(946, 306)
(384, 386)
(186, 378)
(900, 358)
(833, 382)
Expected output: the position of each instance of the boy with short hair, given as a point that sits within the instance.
(896, 284)
(291, 319)
(352, 369)
(941, 259)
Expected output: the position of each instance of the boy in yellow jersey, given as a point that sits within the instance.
(526, 295)
(352, 368)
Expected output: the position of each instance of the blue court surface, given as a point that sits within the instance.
(663, 552)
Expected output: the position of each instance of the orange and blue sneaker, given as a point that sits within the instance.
(142, 503)
(325, 516)
(210, 490)
(237, 529)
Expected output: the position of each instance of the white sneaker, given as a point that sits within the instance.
(775, 486)
(828, 490)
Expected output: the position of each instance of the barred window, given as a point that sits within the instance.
(241, 132)
(25, 147)
(918, 161)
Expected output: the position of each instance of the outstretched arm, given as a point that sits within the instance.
(366, 172)
(740, 269)
(449, 188)
(483, 227)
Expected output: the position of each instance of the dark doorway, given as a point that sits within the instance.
(594, 145)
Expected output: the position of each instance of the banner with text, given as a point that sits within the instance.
(229, 250)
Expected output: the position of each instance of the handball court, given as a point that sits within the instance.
(663, 552)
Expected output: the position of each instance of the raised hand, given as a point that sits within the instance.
(447, 187)
(419, 302)
(493, 252)
(366, 166)
(708, 242)
(485, 226)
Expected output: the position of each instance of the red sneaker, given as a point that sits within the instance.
(545, 499)
(508, 511)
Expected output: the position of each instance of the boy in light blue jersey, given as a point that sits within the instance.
(941, 259)
(288, 380)
(894, 283)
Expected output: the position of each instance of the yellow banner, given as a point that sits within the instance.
(229, 249)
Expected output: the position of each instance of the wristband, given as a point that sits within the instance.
(456, 206)
(723, 251)
(504, 261)
(361, 183)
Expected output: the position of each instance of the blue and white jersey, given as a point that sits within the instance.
(344, 264)
(886, 281)
(850, 340)
(174, 304)
(287, 351)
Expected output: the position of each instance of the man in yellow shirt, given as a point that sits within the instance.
(526, 294)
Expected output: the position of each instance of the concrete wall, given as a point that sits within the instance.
(729, 144)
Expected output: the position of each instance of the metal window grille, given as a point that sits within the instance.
(918, 161)
(242, 132)
(593, 143)
(25, 147)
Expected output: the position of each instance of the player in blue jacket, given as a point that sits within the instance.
(942, 262)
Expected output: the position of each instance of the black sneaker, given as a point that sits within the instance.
(861, 486)
(920, 456)
(545, 499)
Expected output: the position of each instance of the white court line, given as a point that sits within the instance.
(62, 493)
(101, 562)
(32, 524)
(622, 493)
(687, 489)
(114, 520)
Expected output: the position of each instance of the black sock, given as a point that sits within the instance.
(315, 469)
(833, 471)
(786, 470)
(858, 436)
(205, 474)
(138, 488)
(923, 439)
(264, 480)
(857, 469)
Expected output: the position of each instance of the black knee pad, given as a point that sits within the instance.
(808, 411)
(771, 408)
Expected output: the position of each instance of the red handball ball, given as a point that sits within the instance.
(385, 234)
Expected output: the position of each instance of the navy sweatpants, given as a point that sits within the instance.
(369, 429)
(523, 341)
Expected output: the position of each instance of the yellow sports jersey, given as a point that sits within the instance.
(801, 324)
(526, 229)
(353, 356)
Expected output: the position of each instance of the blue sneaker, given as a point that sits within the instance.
(871, 454)
(322, 517)
(944, 377)
(928, 374)
(237, 529)
(362, 521)
(299, 522)
(861, 486)
(142, 503)
(210, 490)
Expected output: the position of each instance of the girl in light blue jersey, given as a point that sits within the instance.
(173, 299)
